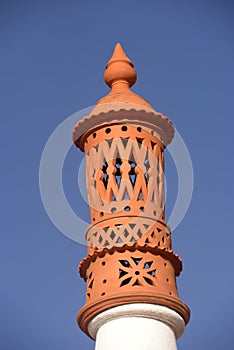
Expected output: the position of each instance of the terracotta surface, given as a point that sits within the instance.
(130, 257)
(123, 162)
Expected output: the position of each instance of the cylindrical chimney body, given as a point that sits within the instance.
(130, 259)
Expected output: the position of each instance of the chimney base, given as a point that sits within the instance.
(137, 326)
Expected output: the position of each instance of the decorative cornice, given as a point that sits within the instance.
(123, 112)
(132, 247)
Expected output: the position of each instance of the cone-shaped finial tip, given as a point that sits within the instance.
(119, 55)
(120, 69)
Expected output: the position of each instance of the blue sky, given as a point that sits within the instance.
(53, 55)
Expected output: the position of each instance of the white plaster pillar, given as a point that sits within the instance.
(137, 326)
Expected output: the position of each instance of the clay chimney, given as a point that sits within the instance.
(130, 271)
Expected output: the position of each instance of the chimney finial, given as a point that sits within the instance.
(120, 70)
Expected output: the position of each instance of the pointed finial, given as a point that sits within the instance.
(120, 73)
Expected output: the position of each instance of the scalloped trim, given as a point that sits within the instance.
(169, 254)
(127, 112)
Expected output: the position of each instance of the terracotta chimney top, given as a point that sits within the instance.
(120, 75)
(121, 104)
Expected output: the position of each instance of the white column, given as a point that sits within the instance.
(137, 326)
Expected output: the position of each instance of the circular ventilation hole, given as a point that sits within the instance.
(103, 294)
(154, 212)
(108, 130)
(124, 128)
(104, 281)
(101, 213)
(103, 263)
(94, 135)
(137, 272)
(142, 209)
(127, 208)
(113, 210)
(139, 129)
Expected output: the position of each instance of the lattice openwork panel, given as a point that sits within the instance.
(129, 273)
(129, 230)
(125, 173)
